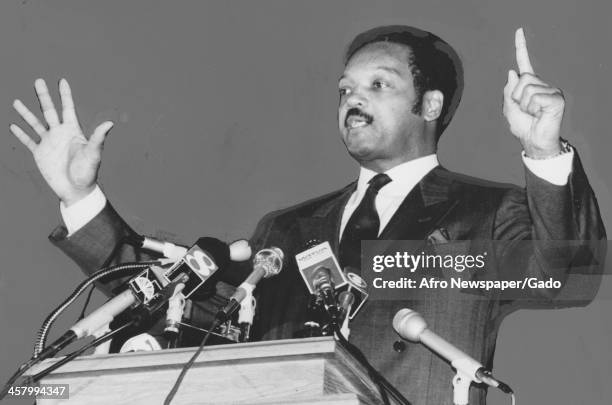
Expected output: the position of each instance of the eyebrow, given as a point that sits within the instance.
(389, 69)
(384, 68)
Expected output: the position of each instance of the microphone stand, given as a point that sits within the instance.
(461, 388)
(37, 377)
(108, 335)
(137, 317)
(463, 380)
(324, 289)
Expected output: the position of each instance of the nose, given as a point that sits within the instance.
(356, 99)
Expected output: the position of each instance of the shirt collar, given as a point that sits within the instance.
(403, 176)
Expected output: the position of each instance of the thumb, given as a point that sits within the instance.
(96, 141)
(513, 80)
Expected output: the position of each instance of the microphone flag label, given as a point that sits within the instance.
(359, 288)
(146, 285)
(198, 265)
(317, 256)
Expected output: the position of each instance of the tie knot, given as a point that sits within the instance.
(379, 181)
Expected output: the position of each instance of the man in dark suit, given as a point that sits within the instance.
(398, 92)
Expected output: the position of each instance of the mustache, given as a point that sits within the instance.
(356, 111)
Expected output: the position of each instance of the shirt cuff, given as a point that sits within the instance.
(81, 212)
(555, 170)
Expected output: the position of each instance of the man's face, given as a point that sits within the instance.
(375, 114)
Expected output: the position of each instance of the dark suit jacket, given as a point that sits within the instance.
(466, 208)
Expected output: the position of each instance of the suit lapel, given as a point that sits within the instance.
(423, 208)
(324, 224)
(421, 211)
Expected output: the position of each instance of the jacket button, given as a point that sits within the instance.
(399, 346)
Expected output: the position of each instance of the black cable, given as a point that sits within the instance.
(86, 304)
(78, 352)
(22, 369)
(32, 379)
(44, 330)
(188, 365)
(374, 374)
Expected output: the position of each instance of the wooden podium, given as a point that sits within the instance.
(295, 371)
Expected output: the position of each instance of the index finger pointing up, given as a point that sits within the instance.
(522, 56)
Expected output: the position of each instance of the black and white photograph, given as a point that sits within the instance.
(305, 202)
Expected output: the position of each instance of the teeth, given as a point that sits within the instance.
(355, 122)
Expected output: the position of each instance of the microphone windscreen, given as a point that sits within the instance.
(240, 250)
(321, 278)
(269, 260)
(220, 251)
(409, 324)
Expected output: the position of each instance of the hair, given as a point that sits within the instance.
(434, 65)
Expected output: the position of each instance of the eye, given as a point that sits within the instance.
(343, 91)
(379, 84)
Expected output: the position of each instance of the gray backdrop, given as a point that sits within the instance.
(226, 110)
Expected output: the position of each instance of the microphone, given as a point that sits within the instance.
(198, 264)
(206, 257)
(106, 313)
(316, 257)
(346, 299)
(240, 250)
(246, 314)
(203, 267)
(322, 275)
(174, 314)
(358, 287)
(266, 263)
(167, 249)
(324, 288)
(410, 325)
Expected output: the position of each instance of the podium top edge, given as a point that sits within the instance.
(323, 347)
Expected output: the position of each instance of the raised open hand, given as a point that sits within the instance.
(534, 109)
(67, 160)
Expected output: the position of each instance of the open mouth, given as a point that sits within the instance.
(357, 119)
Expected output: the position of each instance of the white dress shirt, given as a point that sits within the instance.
(403, 179)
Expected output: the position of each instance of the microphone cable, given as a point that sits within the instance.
(71, 356)
(188, 365)
(51, 318)
(384, 385)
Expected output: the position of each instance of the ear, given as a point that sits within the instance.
(432, 105)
